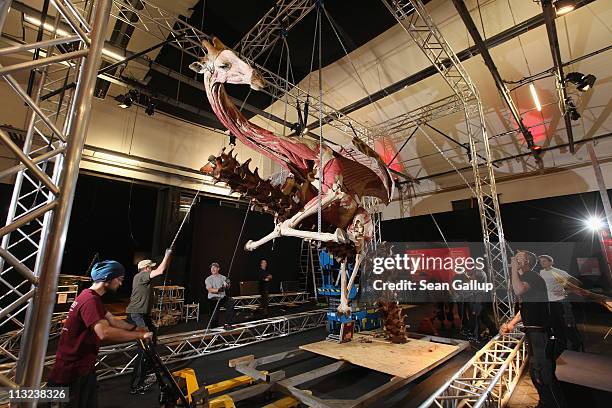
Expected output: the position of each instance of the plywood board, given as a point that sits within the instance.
(408, 360)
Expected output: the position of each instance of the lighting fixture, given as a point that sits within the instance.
(150, 109)
(46, 26)
(583, 82)
(571, 108)
(564, 6)
(232, 140)
(594, 223)
(534, 95)
(63, 33)
(125, 101)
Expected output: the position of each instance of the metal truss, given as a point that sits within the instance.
(162, 25)
(45, 178)
(488, 379)
(416, 21)
(275, 24)
(395, 127)
(274, 299)
(119, 359)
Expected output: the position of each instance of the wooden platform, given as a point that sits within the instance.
(408, 361)
(586, 369)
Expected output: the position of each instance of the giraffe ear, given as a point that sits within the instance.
(211, 50)
(218, 44)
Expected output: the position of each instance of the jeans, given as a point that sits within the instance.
(142, 365)
(83, 393)
(215, 307)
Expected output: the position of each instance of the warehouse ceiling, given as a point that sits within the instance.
(385, 75)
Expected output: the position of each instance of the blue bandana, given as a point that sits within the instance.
(106, 271)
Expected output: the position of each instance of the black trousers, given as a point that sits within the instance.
(82, 392)
(542, 365)
(564, 326)
(264, 300)
(142, 366)
(215, 308)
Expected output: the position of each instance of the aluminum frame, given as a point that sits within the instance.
(488, 378)
(119, 359)
(40, 208)
(416, 21)
(275, 299)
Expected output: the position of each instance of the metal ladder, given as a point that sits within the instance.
(310, 268)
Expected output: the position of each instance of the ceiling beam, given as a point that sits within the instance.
(551, 29)
(498, 39)
(488, 60)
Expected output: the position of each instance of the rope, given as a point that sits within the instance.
(180, 228)
(320, 176)
(229, 271)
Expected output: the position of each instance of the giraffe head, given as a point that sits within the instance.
(224, 66)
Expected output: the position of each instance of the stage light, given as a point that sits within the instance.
(571, 108)
(232, 140)
(534, 95)
(126, 101)
(150, 109)
(564, 6)
(594, 223)
(583, 82)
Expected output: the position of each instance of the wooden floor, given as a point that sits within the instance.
(408, 360)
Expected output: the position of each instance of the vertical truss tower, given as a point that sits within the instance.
(45, 179)
(417, 22)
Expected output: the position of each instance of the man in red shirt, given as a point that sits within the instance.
(89, 323)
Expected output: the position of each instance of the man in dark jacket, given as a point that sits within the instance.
(264, 278)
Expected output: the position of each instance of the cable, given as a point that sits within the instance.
(229, 271)
(172, 246)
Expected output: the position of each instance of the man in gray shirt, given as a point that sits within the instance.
(216, 285)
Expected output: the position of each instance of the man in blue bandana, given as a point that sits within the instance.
(87, 325)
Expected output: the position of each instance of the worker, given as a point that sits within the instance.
(264, 277)
(87, 325)
(139, 310)
(568, 336)
(535, 315)
(216, 287)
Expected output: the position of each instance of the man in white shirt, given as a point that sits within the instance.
(564, 323)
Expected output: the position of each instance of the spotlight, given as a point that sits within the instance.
(594, 223)
(583, 82)
(232, 140)
(150, 110)
(125, 101)
(571, 108)
(564, 6)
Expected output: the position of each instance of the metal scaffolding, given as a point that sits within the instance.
(45, 178)
(416, 21)
(119, 359)
(488, 379)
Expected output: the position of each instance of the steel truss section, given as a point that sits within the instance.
(416, 21)
(274, 299)
(395, 127)
(188, 39)
(488, 379)
(275, 24)
(119, 359)
(45, 179)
